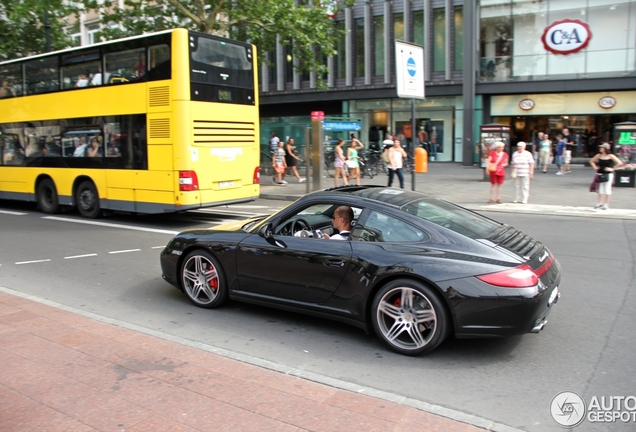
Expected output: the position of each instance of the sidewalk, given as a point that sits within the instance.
(61, 371)
(566, 195)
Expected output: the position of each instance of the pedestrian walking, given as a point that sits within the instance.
(396, 162)
(352, 158)
(604, 163)
(278, 161)
(498, 160)
(545, 152)
(569, 150)
(339, 161)
(291, 159)
(522, 163)
(273, 142)
(560, 154)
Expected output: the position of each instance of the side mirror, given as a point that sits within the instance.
(267, 231)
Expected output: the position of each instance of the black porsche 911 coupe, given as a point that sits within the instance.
(413, 268)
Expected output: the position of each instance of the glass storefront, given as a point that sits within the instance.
(557, 39)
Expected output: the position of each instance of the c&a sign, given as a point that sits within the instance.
(566, 36)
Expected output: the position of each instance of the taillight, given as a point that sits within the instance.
(257, 175)
(518, 277)
(188, 181)
(545, 266)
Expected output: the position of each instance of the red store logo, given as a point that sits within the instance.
(566, 36)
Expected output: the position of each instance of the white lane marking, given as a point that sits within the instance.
(212, 211)
(249, 206)
(157, 247)
(124, 251)
(110, 225)
(12, 213)
(81, 256)
(32, 262)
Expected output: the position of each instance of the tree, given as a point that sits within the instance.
(22, 29)
(304, 27)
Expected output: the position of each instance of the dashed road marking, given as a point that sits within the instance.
(81, 256)
(32, 262)
(157, 247)
(13, 213)
(124, 251)
(111, 225)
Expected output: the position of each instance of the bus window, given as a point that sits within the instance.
(124, 66)
(10, 81)
(80, 69)
(42, 75)
(159, 62)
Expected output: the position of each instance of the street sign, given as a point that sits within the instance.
(341, 126)
(409, 70)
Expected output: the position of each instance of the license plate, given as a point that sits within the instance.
(226, 184)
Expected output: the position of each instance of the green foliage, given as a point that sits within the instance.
(307, 29)
(22, 29)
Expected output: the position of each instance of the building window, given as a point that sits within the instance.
(341, 59)
(378, 39)
(289, 64)
(418, 27)
(459, 38)
(439, 40)
(92, 33)
(398, 26)
(359, 44)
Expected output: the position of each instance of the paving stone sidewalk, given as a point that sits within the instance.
(61, 371)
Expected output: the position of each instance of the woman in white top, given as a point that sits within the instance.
(545, 151)
(523, 163)
(396, 162)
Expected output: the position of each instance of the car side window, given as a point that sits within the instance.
(380, 227)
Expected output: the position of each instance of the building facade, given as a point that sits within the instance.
(534, 65)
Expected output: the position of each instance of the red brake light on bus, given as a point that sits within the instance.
(188, 181)
(518, 277)
(257, 175)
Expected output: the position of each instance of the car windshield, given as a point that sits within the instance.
(453, 217)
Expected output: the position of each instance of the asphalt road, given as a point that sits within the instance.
(111, 268)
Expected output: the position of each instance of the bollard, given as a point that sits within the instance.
(421, 160)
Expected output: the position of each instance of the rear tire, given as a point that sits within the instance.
(47, 197)
(409, 317)
(87, 200)
(203, 280)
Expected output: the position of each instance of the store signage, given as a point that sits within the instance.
(317, 115)
(526, 104)
(607, 102)
(566, 36)
(341, 126)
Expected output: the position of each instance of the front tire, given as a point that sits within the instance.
(409, 317)
(87, 200)
(202, 279)
(47, 197)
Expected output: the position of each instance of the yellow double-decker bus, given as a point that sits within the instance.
(150, 124)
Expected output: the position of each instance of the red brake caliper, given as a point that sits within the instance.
(214, 283)
(397, 302)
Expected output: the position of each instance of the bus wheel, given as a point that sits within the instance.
(87, 200)
(47, 197)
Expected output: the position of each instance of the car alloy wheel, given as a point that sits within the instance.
(409, 317)
(202, 279)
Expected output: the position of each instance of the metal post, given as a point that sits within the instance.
(317, 156)
(413, 132)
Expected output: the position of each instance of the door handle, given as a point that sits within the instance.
(334, 263)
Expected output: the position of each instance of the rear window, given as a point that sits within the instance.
(455, 218)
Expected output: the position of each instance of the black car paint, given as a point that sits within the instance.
(257, 269)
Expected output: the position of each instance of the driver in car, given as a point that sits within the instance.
(341, 220)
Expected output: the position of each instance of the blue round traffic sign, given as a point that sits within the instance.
(410, 66)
